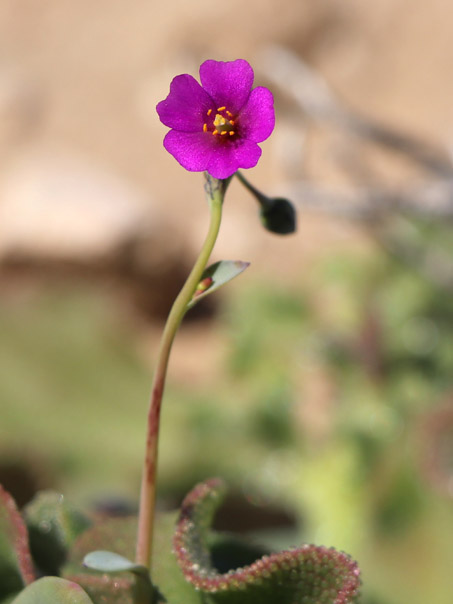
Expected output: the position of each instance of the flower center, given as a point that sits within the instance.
(222, 124)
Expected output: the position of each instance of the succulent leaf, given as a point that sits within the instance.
(52, 589)
(16, 568)
(115, 534)
(53, 526)
(109, 562)
(305, 575)
(118, 535)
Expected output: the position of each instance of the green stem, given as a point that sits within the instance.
(215, 191)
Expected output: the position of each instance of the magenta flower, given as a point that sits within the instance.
(216, 126)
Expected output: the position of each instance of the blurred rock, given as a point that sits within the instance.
(64, 218)
(54, 206)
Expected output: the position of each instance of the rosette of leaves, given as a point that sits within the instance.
(191, 563)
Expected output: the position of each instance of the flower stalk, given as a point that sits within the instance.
(215, 191)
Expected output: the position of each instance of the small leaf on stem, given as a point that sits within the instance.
(215, 276)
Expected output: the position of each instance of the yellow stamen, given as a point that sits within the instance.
(223, 125)
(205, 127)
(229, 114)
(209, 111)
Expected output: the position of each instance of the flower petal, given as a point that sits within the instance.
(227, 158)
(186, 105)
(228, 83)
(258, 116)
(193, 150)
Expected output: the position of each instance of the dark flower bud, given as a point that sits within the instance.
(279, 216)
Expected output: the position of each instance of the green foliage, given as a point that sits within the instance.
(53, 526)
(401, 504)
(111, 563)
(300, 576)
(166, 573)
(123, 585)
(52, 589)
(356, 464)
(62, 366)
(266, 323)
(115, 535)
(270, 418)
(16, 568)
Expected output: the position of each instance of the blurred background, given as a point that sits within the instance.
(319, 384)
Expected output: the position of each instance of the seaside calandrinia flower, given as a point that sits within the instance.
(216, 126)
